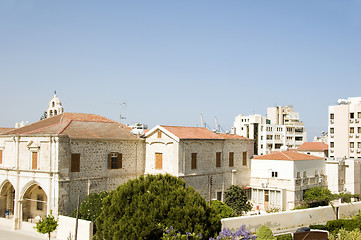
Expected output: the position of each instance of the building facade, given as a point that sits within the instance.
(279, 179)
(207, 161)
(280, 128)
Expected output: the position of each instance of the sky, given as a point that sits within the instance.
(170, 61)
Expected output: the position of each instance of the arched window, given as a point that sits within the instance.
(51, 113)
(53, 104)
(55, 113)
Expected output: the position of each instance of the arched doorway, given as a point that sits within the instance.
(7, 197)
(34, 204)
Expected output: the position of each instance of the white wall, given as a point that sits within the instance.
(66, 228)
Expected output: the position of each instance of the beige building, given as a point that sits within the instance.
(345, 129)
(44, 165)
(279, 179)
(281, 128)
(198, 155)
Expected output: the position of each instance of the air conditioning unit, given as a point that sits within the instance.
(351, 120)
(332, 121)
(358, 151)
(332, 150)
(331, 135)
(357, 135)
(264, 185)
(320, 180)
(341, 181)
(351, 150)
(351, 136)
(356, 120)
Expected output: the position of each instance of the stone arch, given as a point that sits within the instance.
(33, 202)
(7, 199)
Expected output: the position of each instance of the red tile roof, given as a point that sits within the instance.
(198, 133)
(75, 125)
(313, 146)
(3, 130)
(287, 155)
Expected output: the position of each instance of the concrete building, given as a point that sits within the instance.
(279, 179)
(44, 165)
(318, 149)
(345, 129)
(280, 128)
(199, 156)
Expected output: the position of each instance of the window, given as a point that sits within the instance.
(359, 145)
(274, 174)
(231, 159)
(244, 160)
(332, 144)
(304, 174)
(316, 173)
(75, 162)
(159, 134)
(158, 160)
(352, 115)
(194, 161)
(269, 137)
(359, 130)
(34, 160)
(359, 115)
(332, 130)
(352, 130)
(352, 144)
(261, 137)
(1, 156)
(39, 203)
(261, 146)
(115, 160)
(298, 138)
(53, 104)
(218, 159)
(332, 116)
(298, 175)
(219, 196)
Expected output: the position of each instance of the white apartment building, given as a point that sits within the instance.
(281, 127)
(345, 129)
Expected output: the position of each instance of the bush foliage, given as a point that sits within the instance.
(222, 209)
(265, 233)
(142, 208)
(91, 207)
(47, 225)
(236, 198)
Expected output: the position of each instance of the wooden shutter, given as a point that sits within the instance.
(109, 160)
(120, 161)
(34, 160)
(158, 160)
(1, 156)
(218, 159)
(159, 134)
(75, 162)
(244, 162)
(194, 160)
(231, 159)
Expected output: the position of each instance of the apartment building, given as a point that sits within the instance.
(345, 129)
(281, 127)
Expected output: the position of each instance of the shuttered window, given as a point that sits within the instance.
(34, 160)
(115, 160)
(1, 156)
(194, 160)
(218, 159)
(75, 162)
(159, 134)
(244, 161)
(158, 161)
(231, 159)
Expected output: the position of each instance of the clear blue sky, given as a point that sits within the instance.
(172, 60)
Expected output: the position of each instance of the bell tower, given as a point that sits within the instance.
(55, 107)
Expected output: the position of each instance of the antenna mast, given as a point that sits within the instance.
(217, 125)
(123, 104)
(202, 121)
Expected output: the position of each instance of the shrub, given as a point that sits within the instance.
(348, 224)
(222, 209)
(319, 227)
(236, 198)
(265, 233)
(91, 207)
(318, 196)
(346, 235)
(47, 225)
(142, 208)
(284, 237)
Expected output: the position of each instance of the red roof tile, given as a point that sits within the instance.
(231, 136)
(313, 146)
(287, 155)
(76, 125)
(3, 130)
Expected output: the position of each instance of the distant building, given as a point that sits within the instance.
(280, 128)
(279, 179)
(345, 129)
(199, 156)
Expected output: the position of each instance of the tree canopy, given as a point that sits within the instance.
(236, 198)
(91, 207)
(142, 208)
(47, 225)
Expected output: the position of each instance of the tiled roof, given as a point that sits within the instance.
(76, 125)
(3, 130)
(287, 155)
(198, 133)
(313, 146)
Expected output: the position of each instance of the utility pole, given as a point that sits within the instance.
(77, 216)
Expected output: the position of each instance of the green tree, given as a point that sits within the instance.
(318, 196)
(91, 207)
(47, 224)
(222, 209)
(236, 198)
(142, 208)
(265, 233)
